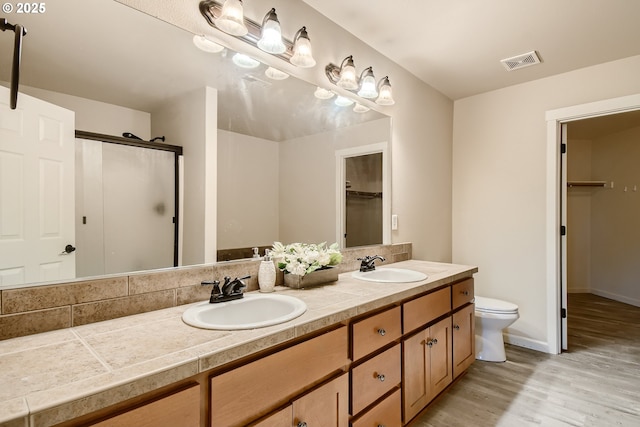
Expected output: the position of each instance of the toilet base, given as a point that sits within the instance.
(490, 347)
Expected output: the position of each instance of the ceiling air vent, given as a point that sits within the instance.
(521, 61)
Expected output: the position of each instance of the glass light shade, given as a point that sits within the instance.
(275, 74)
(271, 38)
(359, 108)
(348, 79)
(322, 93)
(368, 85)
(207, 45)
(231, 19)
(386, 94)
(343, 101)
(302, 54)
(244, 61)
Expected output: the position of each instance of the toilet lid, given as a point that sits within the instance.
(491, 305)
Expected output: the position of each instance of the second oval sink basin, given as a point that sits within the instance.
(390, 275)
(250, 312)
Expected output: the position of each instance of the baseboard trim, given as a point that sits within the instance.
(579, 291)
(526, 343)
(616, 297)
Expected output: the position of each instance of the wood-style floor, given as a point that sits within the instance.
(594, 384)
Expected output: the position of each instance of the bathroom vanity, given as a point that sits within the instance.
(364, 354)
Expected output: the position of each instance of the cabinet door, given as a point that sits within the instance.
(440, 371)
(179, 409)
(427, 366)
(386, 413)
(464, 339)
(416, 381)
(327, 406)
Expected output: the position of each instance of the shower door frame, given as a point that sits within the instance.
(177, 152)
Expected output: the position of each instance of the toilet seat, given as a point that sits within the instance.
(491, 305)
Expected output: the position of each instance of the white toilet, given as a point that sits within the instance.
(492, 316)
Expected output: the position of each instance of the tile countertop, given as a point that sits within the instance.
(52, 377)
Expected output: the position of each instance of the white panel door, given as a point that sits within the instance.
(36, 191)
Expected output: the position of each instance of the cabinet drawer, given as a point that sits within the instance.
(386, 413)
(376, 331)
(420, 311)
(181, 408)
(374, 378)
(462, 293)
(250, 391)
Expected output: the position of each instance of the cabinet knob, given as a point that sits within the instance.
(435, 341)
(380, 425)
(302, 424)
(456, 327)
(382, 332)
(430, 343)
(465, 293)
(381, 377)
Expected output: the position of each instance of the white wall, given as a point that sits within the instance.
(615, 248)
(96, 116)
(308, 180)
(248, 205)
(190, 120)
(499, 185)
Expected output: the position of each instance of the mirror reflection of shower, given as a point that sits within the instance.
(363, 188)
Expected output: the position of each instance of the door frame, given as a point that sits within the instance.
(341, 212)
(556, 263)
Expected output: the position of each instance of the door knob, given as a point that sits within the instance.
(67, 250)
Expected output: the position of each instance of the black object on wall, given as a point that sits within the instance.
(20, 32)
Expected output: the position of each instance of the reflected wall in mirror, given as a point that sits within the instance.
(115, 82)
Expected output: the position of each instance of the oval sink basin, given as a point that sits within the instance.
(252, 311)
(390, 275)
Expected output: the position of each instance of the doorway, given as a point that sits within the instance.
(556, 208)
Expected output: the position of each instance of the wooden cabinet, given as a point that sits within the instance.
(376, 331)
(386, 413)
(420, 311)
(178, 409)
(427, 366)
(462, 293)
(375, 377)
(464, 339)
(253, 390)
(325, 406)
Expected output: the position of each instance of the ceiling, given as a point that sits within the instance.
(456, 45)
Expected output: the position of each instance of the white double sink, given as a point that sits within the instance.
(261, 310)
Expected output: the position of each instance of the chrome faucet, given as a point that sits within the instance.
(367, 263)
(230, 290)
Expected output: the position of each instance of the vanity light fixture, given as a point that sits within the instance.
(267, 37)
(271, 35)
(302, 54)
(359, 108)
(345, 77)
(207, 45)
(368, 84)
(244, 61)
(343, 101)
(231, 18)
(348, 78)
(322, 93)
(386, 94)
(275, 74)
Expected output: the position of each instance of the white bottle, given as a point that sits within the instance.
(267, 273)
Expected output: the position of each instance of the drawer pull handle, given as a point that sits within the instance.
(382, 332)
(465, 293)
(380, 425)
(456, 327)
(302, 424)
(381, 377)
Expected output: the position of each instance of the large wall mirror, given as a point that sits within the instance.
(276, 142)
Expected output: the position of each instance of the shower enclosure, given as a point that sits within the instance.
(126, 218)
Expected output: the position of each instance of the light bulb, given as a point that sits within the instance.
(302, 55)
(271, 39)
(231, 19)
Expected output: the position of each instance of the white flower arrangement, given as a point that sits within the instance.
(304, 258)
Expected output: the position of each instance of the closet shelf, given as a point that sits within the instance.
(586, 184)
